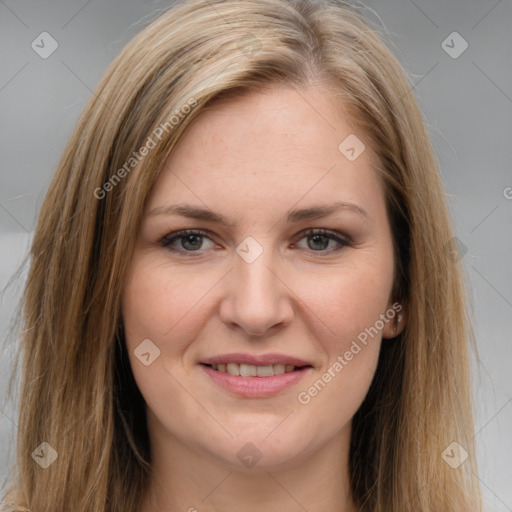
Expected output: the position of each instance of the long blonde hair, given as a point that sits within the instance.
(77, 390)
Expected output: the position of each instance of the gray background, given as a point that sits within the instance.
(467, 102)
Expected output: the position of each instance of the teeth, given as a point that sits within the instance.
(264, 371)
(233, 369)
(280, 368)
(250, 370)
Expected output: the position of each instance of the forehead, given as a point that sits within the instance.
(278, 146)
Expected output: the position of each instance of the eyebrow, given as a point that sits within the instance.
(297, 215)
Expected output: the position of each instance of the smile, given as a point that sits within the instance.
(251, 370)
(251, 381)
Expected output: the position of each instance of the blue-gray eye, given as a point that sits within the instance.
(193, 240)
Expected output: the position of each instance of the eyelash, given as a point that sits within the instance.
(167, 240)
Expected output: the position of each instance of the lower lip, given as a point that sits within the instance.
(255, 387)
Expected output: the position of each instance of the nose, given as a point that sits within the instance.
(256, 300)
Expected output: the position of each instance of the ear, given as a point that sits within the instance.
(396, 324)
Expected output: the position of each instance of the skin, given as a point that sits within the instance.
(252, 159)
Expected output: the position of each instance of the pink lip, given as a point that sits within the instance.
(257, 360)
(255, 387)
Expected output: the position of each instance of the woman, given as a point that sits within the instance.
(241, 295)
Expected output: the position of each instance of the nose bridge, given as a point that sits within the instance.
(255, 282)
(256, 298)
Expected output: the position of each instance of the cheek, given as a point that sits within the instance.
(158, 302)
(347, 300)
(351, 308)
(349, 305)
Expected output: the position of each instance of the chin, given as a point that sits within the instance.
(257, 454)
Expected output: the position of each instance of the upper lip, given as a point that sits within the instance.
(257, 360)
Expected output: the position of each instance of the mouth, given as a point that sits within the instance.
(244, 380)
(251, 370)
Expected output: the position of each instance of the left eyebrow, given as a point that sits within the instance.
(297, 215)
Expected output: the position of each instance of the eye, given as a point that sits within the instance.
(189, 241)
(319, 239)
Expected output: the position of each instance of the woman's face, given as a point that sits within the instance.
(265, 287)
